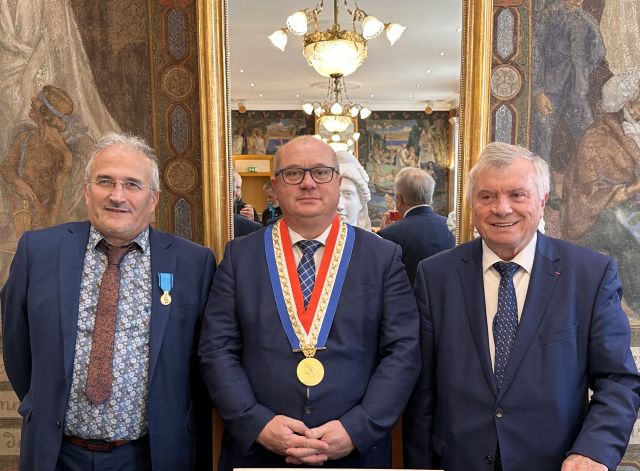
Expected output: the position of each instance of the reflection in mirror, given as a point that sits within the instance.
(398, 83)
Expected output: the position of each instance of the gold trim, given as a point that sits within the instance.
(214, 118)
(474, 100)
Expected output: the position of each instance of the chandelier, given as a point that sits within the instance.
(335, 51)
(336, 116)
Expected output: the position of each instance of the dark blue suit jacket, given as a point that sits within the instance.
(40, 310)
(573, 336)
(243, 226)
(371, 361)
(421, 234)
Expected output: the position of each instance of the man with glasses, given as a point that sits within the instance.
(317, 364)
(100, 321)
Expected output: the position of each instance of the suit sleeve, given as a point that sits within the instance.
(393, 379)
(612, 377)
(417, 420)
(220, 360)
(16, 346)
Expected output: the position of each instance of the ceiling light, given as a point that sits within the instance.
(336, 115)
(335, 51)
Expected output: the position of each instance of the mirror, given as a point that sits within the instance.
(215, 109)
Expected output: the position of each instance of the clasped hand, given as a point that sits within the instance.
(301, 445)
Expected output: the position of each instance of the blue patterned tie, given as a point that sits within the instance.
(307, 268)
(505, 323)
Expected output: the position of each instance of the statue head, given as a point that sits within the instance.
(354, 191)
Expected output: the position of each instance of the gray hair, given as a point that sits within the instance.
(127, 140)
(267, 186)
(500, 156)
(415, 186)
(276, 164)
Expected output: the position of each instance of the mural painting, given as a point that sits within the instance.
(264, 132)
(391, 141)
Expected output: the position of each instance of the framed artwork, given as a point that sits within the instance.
(391, 141)
(264, 132)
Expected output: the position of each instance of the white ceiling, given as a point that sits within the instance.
(407, 76)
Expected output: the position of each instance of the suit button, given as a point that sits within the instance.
(307, 410)
(499, 412)
(488, 459)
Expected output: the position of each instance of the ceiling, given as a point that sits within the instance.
(423, 67)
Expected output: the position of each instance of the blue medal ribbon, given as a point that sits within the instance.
(166, 282)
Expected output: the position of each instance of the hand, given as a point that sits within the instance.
(282, 434)
(334, 435)
(543, 103)
(576, 462)
(247, 211)
(386, 220)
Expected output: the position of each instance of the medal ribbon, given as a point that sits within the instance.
(166, 282)
(318, 317)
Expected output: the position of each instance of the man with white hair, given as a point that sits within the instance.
(421, 232)
(526, 363)
(602, 190)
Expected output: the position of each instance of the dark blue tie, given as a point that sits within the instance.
(307, 268)
(505, 323)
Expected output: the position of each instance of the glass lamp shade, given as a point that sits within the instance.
(279, 39)
(356, 136)
(365, 113)
(394, 31)
(335, 53)
(371, 27)
(338, 146)
(308, 108)
(297, 23)
(336, 108)
(334, 124)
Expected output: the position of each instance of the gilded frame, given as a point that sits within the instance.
(215, 112)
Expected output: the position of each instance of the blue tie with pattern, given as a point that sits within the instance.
(505, 323)
(307, 268)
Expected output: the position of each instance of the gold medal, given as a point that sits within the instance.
(165, 299)
(310, 371)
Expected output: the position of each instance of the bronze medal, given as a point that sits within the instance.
(310, 371)
(165, 299)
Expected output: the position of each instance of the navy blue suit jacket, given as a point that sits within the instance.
(243, 226)
(371, 360)
(40, 311)
(573, 336)
(421, 234)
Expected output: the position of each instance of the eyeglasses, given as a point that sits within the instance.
(127, 186)
(294, 176)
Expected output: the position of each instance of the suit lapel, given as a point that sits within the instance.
(544, 277)
(470, 273)
(163, 260)
(73, 243)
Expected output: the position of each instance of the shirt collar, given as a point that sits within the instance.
(322, 238)
(141, 239)
(414, 207)
(524, 258)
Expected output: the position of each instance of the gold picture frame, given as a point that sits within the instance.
(215, 132)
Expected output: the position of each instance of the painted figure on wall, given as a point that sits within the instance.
(40, 45)
(36, 185)
(567, 47)
(602, 186)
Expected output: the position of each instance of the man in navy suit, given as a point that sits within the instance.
(421, 233)
(316, 365)
(146, 416)
(492, 397)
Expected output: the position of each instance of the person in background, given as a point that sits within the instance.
(526, 363)
(100, 323)
(316, 365)
(242, 225)
(239, 206)
(272, 212)
(421, 233)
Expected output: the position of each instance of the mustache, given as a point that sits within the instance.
(117, 206)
